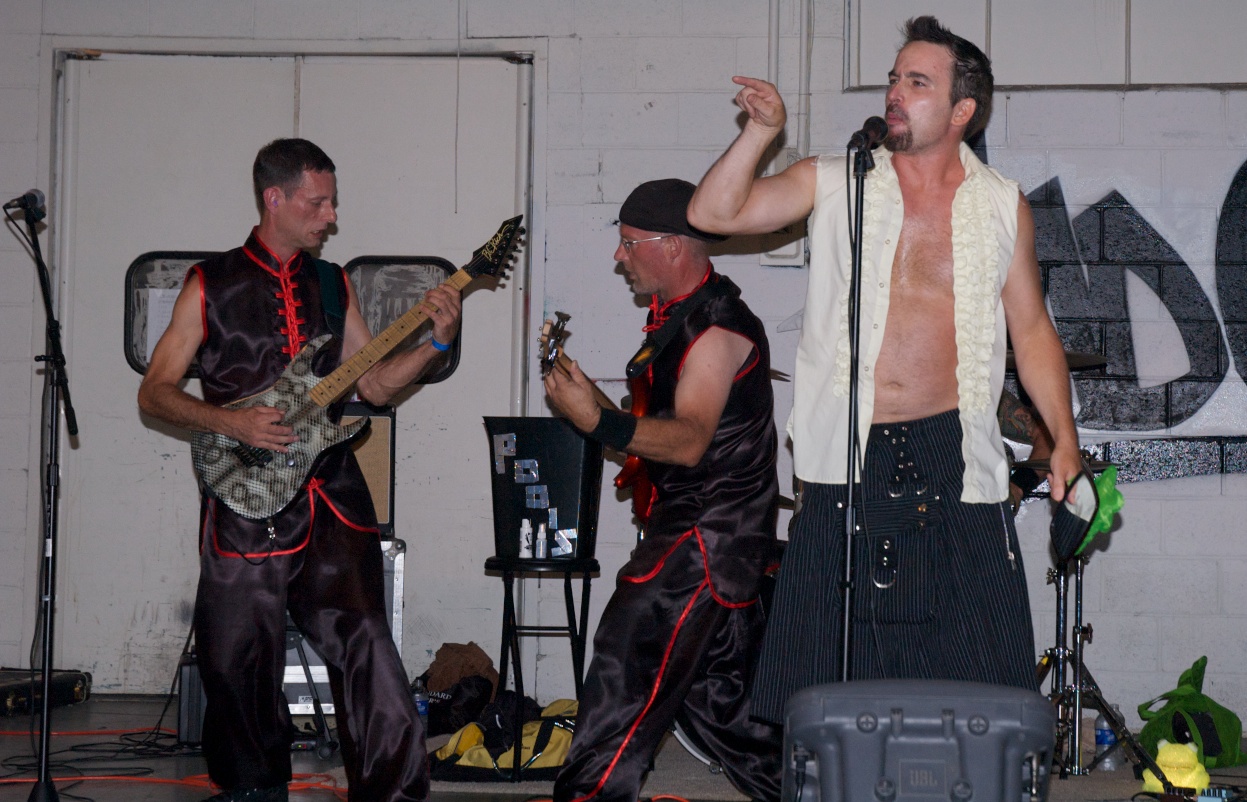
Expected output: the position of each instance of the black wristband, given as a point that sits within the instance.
(1026, 479)
(614, 429)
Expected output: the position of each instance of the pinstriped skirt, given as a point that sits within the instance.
(938, 586)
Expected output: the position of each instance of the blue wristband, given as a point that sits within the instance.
(438, 346)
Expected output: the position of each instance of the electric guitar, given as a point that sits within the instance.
(632, 475)
(257, 483)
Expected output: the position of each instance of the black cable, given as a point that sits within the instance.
(848, 200)
(130, 747)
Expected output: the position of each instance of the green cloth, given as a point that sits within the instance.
(1188, 716)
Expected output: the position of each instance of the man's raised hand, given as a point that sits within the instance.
(761, 101)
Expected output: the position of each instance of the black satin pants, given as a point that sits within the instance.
(667, 650)
(328, 573)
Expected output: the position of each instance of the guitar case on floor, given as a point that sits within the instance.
(21, 690)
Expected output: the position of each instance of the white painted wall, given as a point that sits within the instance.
(635, 89)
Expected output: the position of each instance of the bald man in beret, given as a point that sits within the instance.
(679, 638)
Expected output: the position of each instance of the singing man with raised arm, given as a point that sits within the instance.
(949, 265)
(244, 315)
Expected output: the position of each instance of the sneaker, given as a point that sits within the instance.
(278, 793)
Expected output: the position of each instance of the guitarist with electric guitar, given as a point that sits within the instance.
(679, 636)
(287, 523)
(632, 477)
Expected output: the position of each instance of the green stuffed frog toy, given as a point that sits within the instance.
(1180, 763)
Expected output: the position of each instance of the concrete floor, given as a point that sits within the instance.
(161, 772)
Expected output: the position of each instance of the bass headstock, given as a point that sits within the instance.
(553, 333)
(493, 258)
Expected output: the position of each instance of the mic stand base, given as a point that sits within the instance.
(1070, 698)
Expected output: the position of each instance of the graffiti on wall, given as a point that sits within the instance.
(1085, 265)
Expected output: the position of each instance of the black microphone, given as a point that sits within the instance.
(32, 200)
(872, 133)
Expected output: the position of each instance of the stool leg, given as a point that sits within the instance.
(572, 634)
(511, 645)
(582, 636)
(508, 628)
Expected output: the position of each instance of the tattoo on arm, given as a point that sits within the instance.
(1017, 421)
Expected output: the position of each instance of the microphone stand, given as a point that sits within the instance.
(863, 162)
(56, 387)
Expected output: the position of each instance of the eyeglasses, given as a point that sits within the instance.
(628, 243)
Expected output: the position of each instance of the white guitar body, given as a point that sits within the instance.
(257, 483)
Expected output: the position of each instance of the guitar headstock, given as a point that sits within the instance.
(553, 333)
(493, 258)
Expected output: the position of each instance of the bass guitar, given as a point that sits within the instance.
(257, 483)
(632, 476)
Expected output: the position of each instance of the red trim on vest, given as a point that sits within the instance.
(289, 312)
(203, 299)
(295, 337)
(757, 355)
(660, 310)
(346, 284)
(276, 260)
(662, 669)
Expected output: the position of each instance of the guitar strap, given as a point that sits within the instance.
(657, 340)
(331, 296)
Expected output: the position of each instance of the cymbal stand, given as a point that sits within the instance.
(1066, 660)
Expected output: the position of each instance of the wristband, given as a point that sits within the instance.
(1026, 479)
(438, 346)
(614, 429)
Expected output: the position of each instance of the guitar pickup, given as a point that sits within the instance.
(251, 456)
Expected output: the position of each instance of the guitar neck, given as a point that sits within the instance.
(564, 364)
(336, 384)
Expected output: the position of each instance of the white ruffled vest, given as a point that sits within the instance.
(984, 226)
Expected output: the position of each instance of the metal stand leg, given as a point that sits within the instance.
(511, 648)
(1070, 699)
(325, 745)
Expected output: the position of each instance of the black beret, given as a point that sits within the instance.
(662, 206)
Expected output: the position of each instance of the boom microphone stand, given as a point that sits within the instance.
(873, 132)
(56, 387)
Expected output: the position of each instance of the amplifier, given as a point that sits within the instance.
(191, 701)
(910, 740)
(394, 552)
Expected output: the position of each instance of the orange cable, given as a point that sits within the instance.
(324, 782)
(164, 730)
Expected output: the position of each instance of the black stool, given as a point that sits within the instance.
(576, 631)
(546, 476)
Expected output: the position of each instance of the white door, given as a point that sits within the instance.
(157, 154)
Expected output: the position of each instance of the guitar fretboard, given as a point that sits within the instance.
(336, 384)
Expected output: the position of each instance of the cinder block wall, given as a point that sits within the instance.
(1128, 184)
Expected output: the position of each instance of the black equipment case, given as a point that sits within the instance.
(21, 690)
(902, 740)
